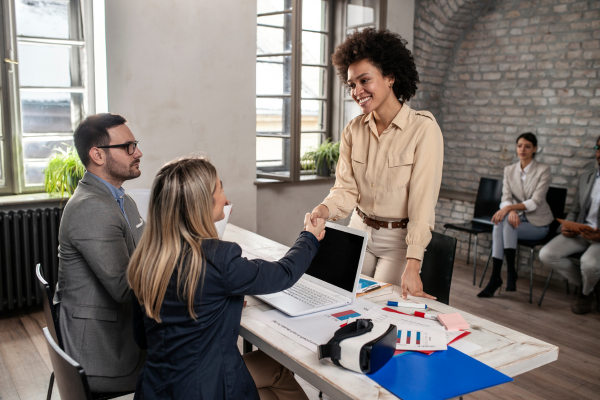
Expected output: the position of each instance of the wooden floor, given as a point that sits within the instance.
(25, 365)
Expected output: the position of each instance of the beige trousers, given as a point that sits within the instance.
(385, 258)
(273, 381)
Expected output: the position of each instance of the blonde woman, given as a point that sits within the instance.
(189, 293)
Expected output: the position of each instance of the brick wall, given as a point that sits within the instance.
(523, 66)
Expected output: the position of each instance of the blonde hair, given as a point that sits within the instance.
(180, 217)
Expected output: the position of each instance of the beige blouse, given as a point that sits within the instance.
(392, 176)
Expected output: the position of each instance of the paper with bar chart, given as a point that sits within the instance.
(420, 339)
(315, 329)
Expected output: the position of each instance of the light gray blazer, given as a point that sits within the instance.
(96, 244)
(535, 188)
(583, 198)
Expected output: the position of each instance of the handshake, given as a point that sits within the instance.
(318, 229)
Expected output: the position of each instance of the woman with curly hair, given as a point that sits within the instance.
(390, 166)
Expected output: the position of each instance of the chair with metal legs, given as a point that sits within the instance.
(556, 198)
(576, 258)
(487, 201)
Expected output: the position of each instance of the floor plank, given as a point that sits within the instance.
(23, 361)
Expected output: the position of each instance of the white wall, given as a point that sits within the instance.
(183, 73)
(281, 208)
(401, 19)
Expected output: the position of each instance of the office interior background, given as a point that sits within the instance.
(250, 84)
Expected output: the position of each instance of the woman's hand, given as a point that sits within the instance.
(566, 232)
(318, 230)
(499, 216)
(320, 211)
(591, 234)
(513, 219)
(411, 280)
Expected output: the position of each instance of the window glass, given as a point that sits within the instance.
(314, 47)
(44, 65)
(267, 6)
(313, 115)
(44, 147)
(270, 152)
(360, 12)
(49, 112)
(272, 40)
(270, 115)
(43, 18)
(313, 81)
(314, 15)
(273, 78)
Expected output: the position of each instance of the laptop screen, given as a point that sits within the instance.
(337, 260)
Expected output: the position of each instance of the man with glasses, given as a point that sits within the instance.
(585, 210)
(98, 233)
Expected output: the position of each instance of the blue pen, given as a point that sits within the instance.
(406, 305)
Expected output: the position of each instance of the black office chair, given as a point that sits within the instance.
(556, 199)
(438, 264)
(51, 315)
(489, 196)
(70, 377)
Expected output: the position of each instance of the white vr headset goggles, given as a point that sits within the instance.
(362, 346)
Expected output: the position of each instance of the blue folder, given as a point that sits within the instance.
(442, 375)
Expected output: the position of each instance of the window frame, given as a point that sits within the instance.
(295, 96)
(334, 91)
(80, 26)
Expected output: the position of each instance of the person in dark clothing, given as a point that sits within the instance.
(189, 291)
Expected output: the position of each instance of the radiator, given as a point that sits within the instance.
(26, 239)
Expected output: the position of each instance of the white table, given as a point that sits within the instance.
(504, 349)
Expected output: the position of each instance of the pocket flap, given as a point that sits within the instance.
(93, 312)
(358, 155)
(396, 160)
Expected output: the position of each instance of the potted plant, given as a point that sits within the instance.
(323, 158)
(63, 172)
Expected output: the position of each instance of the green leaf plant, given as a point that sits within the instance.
(326, 155)
(63, 172)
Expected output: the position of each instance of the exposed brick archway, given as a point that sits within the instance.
(439, 24)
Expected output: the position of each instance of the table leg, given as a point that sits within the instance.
(246, 347)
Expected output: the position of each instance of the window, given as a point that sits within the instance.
(47, 85)
(358, 15)
(292, 88)
(294, 83)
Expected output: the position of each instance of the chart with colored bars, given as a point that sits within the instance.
(344, 315)
(412, 337)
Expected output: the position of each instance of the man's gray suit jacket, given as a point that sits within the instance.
(583, 198)
(96, 244)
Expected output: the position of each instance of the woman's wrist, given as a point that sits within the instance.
(413, 265)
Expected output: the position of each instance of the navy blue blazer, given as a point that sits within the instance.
(199, 359)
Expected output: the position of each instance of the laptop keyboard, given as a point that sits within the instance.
(310, 296)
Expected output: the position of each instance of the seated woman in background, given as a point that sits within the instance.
(189, 291)
(524, 212)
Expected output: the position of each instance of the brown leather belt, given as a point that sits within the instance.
(376, 224)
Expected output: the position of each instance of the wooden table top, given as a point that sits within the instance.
(504, 349)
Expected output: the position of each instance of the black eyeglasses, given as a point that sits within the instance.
(129, 147)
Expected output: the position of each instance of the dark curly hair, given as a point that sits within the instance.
(385, 50)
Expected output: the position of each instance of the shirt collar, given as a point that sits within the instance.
(527, 168)
(399, 120)
(117, 193)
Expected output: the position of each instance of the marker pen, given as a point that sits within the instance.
(406, 305)
(425, 315)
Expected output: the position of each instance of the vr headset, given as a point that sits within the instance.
(362, 346)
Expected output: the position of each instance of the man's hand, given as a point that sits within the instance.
(568, 232)
(411, 281)
(320, 211)
(513, 219)
(318, 230)
(591, 234)
(499, 216)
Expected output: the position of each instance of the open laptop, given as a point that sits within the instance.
(331, 280)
